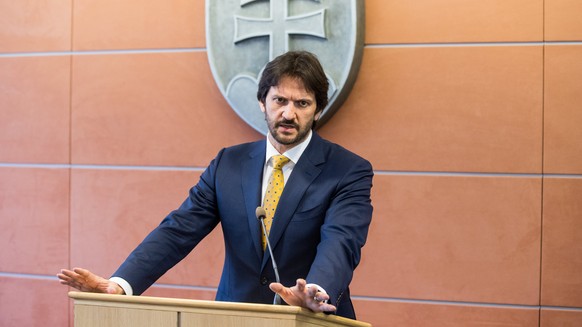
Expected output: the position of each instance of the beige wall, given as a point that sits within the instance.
(470, 112)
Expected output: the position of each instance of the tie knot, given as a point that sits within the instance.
(279, 161)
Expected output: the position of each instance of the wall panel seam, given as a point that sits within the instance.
(202, 168)
(189, 50)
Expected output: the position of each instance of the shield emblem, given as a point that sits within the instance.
(242, 36)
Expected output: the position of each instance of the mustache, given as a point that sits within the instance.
(287, 123)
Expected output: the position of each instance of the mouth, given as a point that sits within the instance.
(287, 126)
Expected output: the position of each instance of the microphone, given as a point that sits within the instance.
(261, 215)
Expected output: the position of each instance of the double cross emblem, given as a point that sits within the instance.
(279, 26)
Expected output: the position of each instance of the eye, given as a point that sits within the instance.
(280, 100)
(303, 104)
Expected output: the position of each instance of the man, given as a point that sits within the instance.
(321, 219)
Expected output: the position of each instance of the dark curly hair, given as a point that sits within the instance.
(297, 64)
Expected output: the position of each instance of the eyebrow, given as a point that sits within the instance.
(308, 99)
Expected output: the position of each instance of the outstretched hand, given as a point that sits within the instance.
(303, 296)
(86, 281)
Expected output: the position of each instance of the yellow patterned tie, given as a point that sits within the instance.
(274, 190)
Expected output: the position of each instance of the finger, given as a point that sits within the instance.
(320, 296)
(71, 284)
(62, 277)
(63, 282)
(66, 282)
(276, 287)
(321, 307)
(83, 272)
(70, 278)
(69, 273)
(301, 283)
(285, 292)
(113, 288)
(312, 292)
(324, 307)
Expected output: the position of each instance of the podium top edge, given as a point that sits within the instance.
(165, 301)
(214, 305)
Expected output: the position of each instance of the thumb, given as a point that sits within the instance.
(113, 288)
(276, 287)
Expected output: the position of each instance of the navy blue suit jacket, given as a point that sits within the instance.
(320, 225)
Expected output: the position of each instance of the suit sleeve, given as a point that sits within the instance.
(344, 232)
(176, 235)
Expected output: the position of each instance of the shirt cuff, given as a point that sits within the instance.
(123, 284)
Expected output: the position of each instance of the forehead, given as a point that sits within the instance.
(292, 88)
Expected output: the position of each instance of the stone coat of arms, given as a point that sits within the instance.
(242, 36)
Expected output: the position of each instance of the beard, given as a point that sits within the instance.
(284, 138)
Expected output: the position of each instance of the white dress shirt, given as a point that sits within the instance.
(293, 154)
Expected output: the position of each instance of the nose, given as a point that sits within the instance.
(289, 111)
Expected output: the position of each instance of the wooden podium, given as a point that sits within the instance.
(104, 310)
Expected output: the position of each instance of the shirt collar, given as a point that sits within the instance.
(293, 154)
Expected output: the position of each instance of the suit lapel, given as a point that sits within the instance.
(303, 175)
(252, 173)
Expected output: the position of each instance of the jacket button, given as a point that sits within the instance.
(264, 281)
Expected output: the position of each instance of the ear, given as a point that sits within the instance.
(262, 106)
(317, 114)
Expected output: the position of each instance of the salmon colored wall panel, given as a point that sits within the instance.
(393, 21)
(562, 114)
(409, 314)
(453, 238)
(34, 109)
(475, 109)
(562, 20)
(135, 24)
(29, 25)
(562, 250)
(560, 318)
(112, 211)
(150, 109)
(33, 302)
(34, 220)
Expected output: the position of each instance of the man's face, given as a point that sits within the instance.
(289, 111)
